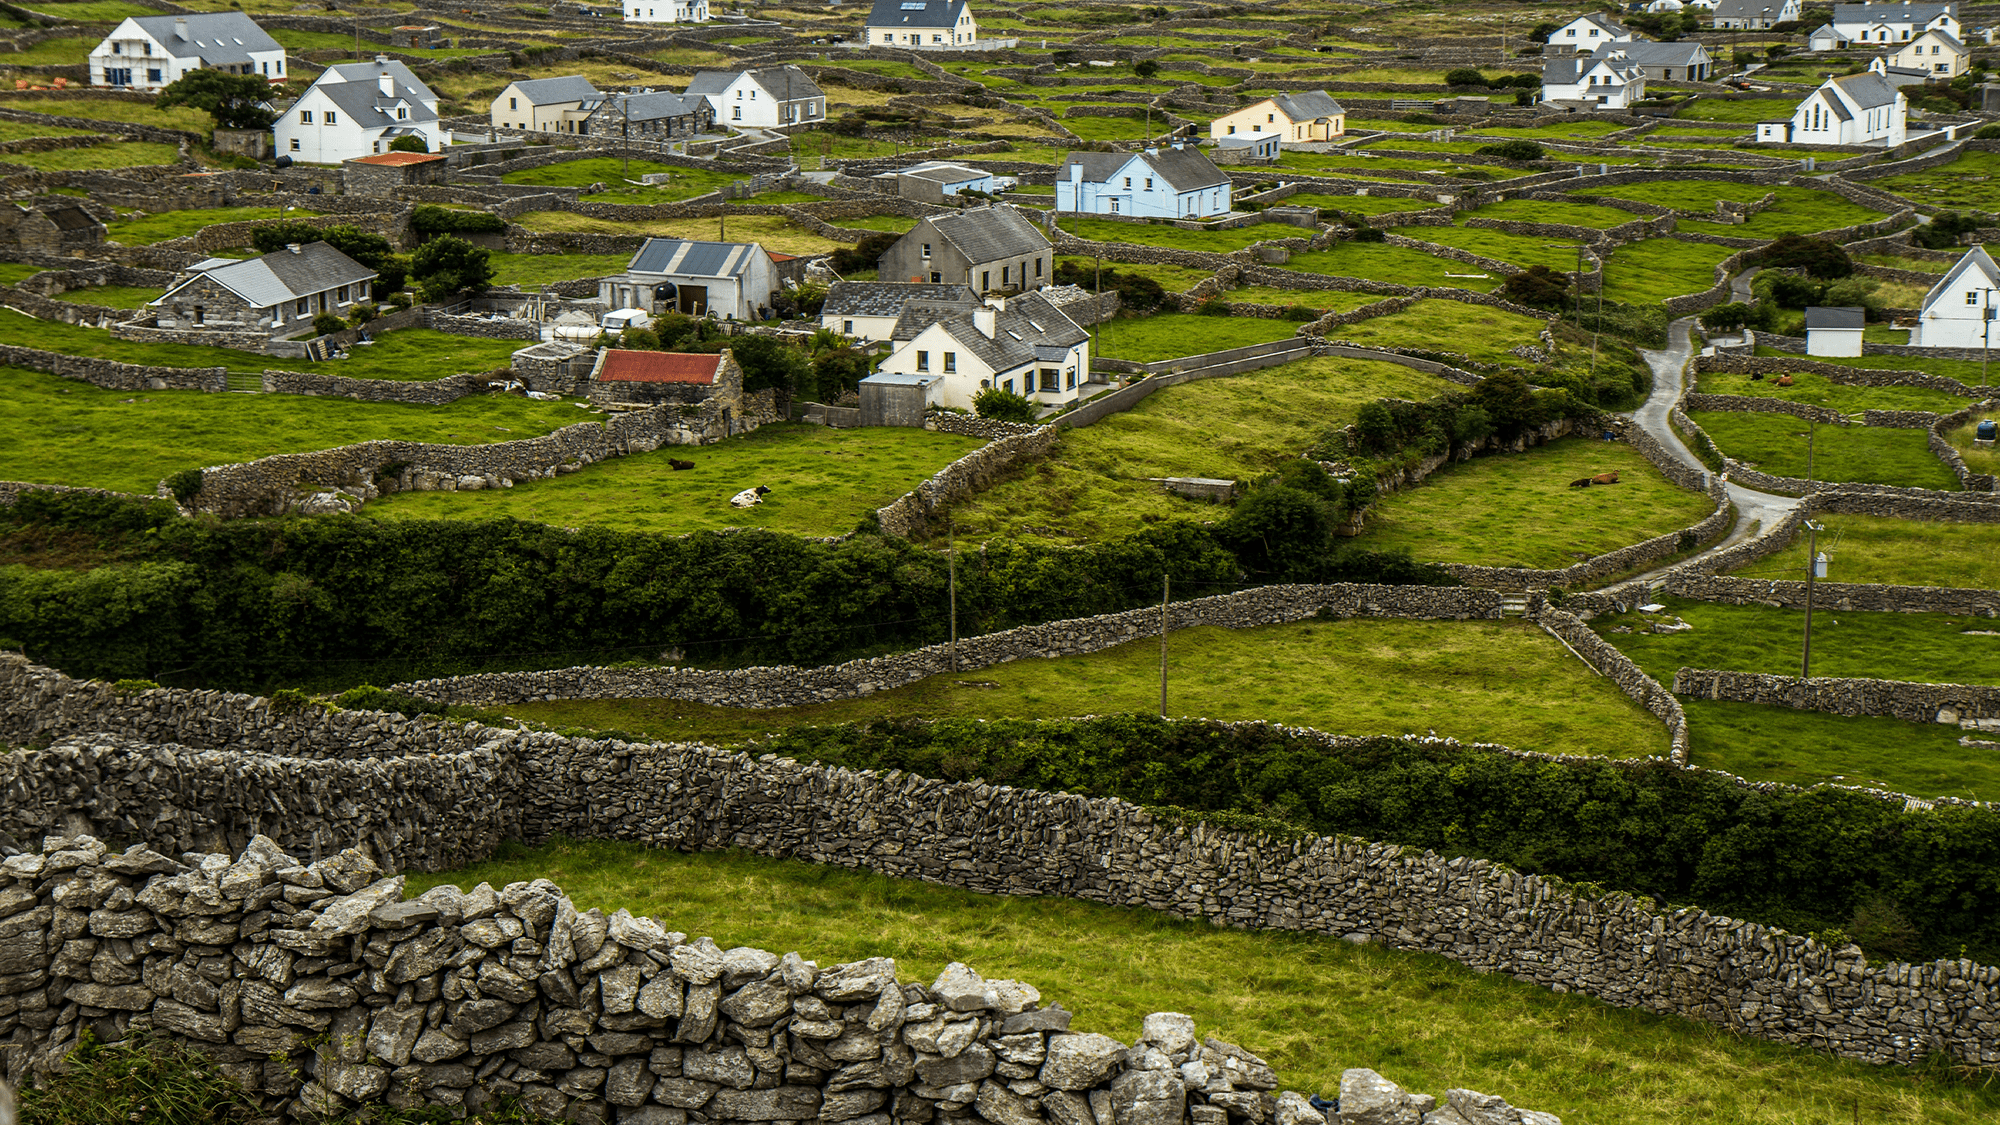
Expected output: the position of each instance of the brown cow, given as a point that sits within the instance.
(677, 465)
(1584, 483)
(1605, 478)
(1784, 380)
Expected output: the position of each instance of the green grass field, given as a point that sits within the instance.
(894, 224)
(1796, 211)
(19, 131)
(109, 109)
(1965, 182)
(1332, 164)
(1518, 509)
(1778, 744)
(1477, 331)
(1894, 261)
(13, 273)
(1519, 249)
(1776, 443)
(1423, 676)
(1653, 269)
(1358, 204)
(1736, 110)
(1339, 300)
(823, 481)
(158, 226)
(1172, 335)
(328, 41)
(56, 52)
(1160, 234)
(1093, 486)
(59, 431)
(531, 270)
(1174, 279)
(1899, 552)
(1818, 390)
(1313, 1006)
(122, 154)
(615, 175)
(1966, 371)
(1551, 211)
(1399, 264)
(111, 296)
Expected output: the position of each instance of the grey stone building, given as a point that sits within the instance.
(379, 176)
(992, 249)
(648, 378)
(54, 228)
(654, 115)
(279, 293)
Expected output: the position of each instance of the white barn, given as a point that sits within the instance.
(1955, 310)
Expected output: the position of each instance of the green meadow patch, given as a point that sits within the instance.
(1818, 390)
(1651, 270)
(1776, 443)
(1149, 339)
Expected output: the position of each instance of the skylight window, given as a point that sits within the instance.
(1035, 326)
(913, 5)
(1012, 333)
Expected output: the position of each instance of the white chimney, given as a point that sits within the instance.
(387, 84)
(983, 319)
(292, 246)
(381, 60)
(180, 29)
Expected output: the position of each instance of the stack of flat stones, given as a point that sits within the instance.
(321, 989)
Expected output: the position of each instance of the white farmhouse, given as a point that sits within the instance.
(1173, 183)
(728, 280)
(1854, 109)
(1681, 61)
(773, 98)
(1754, 15)
(921, 25)
(1024, 345)
(1606, 79)
(1866, 24)
(870, 310)
(150, 52)
(1936, 52)
(1585, 34)
(666, 11)
(359, 109)
(1955, 311)
(546, 105)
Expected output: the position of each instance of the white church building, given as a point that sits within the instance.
(1854, 109)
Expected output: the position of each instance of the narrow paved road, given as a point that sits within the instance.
(1753, 509)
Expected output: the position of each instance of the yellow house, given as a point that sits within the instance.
(1308, 116)
(1935, 52)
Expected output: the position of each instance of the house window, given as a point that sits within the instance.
(1069, 377)
(153, 75)
(1114, 207)
(1270, 117)
(1972, 296)
(923, 361)
(927, 250)
(303, 304)
(117, 49)
(200, 314)
(1051, 379)
(985, 280)
(1232, 128)
(936, 277)
(736, 113)
(950, 363)
(331, 119)
(402, 114)
(1149, 183)
(305, 117)
(1008, 386)
(340, 294)
(847, 326)
(513, 103)
(1004, 272)
(1038, 267)
(295, 144)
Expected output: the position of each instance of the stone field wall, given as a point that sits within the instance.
(1911, 702)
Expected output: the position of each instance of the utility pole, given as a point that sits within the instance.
(1812, 572)
(951, 540)
(1165, 593)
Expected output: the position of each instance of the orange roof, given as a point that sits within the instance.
(398, 159)
(659, 367)
(777, 257)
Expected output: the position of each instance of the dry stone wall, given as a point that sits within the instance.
(910, 515)
(430, 392)
(113, 375)
(1911, 702)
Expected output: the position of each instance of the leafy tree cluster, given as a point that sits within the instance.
(1818, 257)
(675, 332)
(1903, 883)
(1512, 150)
(1136, 292)
(1003, 405)
(364, 246)
(1790, 291)
(864, 255)
(1467, 76)
(448, 265)
(429, 220)
(1947, 229)
(1539, 286)
(235, 101)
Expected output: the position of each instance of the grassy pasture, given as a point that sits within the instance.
(1093, 486)
(823, 482)
(64, 432)
(1398, 264)
(1796, 211)
(1821, 391)
(1172, 335)
(1338, 300)
(120, 154)
(21, 131)
(1653, 269)
(1925, 647)
(1161, 234)
(158, 226)
(1518, 509)
(1967, 182)
(1427, 675)
(1174, 279)
(1312, 1005)
(1335, 164)
(1519, 249)
(55, 52)
(773, 232)
(1899, 552)
(686, 183)
(1477, 331)
(1358, 204)
(111, 296)
(1920, 265)
(1966, 371)
(1736, 110)
(1552, 211)
(110, 109)
(13, 273)
(530, 270)
(1776, 443)
(1778, 744)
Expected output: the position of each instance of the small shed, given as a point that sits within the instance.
(554, 366)
(1246, 149)
(891, 398)
(380, 175)
(1834, 331)
(645, 378)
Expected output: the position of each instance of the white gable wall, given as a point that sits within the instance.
(666, 11)
(1953, 318)
(1585, 36)
(130, 58)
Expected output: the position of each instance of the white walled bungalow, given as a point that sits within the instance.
(1604, 80)
(358, 109)
(1954, 311)
(546, 105)
(772, 98)
(1585, 34)
(921, 25)
(1869, 24)
(150, 53)
(1681, 61)
(1306, 115)
(1854, 109)
(1754, 15)
(280, 292)
(727, 280)
(1172, 183)
(1936, 52)
(666, 11)
(1024, 345)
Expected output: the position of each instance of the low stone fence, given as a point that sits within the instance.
(1603, 566)
(1910, 702)
(909, 516)
(113, 375)
(1838, 374)
(1935, 158)
(1619, 668)
(1746, 404)
(428, 392)
(145, 331)
(486, 327)
(1854, 596)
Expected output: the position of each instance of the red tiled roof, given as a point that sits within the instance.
(777, 257)
(659, 367)
(398, 159)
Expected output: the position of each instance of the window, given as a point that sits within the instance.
(513, 103)
(950, 363)
(736, 113)
(888, 37)
(305, 117)
(1232, 128)
(1004, 271)
(200, 314)
(1051, 379)
(302, 307)
(117, 48)
(1128, 181)
(295, 144)
(402, 114)
(923, 361)
(1069, 377)
(1972, 296)
(985, 280)
(280, 64)
(340, 294)
(331, 119)
(1270, 117)
(1114, 207)
(153, 75)
(927, 249)
(1008, 386)
(1038, 267)
(847, 326)
(936, 277)
(1149, 183)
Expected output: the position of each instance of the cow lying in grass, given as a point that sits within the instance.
(1601, 478)
(749, 497)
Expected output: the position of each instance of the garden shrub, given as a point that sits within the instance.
(1512, 150)
(1003, 406)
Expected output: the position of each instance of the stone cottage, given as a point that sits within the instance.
(63, 230)
(378, 176)
(992, 249)
(278, 293)
(641, 378)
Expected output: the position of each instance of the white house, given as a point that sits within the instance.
(1307, 115)
(1681, 61)
(1024, 345)
(775, 97)
(1662, 6)
(666, 11)
(1854, 109)
(1585, 34)
(870, 310)
(1172, 183)
(1823, 38)
(546, 105)
(921, 25)
(729, 280)
(1955, 311)
(1835, 331)
(150, 52)
(359, 109)
(1754, 15)
(1606, 79)
(1865, 24)
(1936, 52)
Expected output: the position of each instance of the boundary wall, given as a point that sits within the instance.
(1898, 699)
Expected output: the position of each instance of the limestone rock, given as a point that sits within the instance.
(1367, 1098)
(1171, 1032)
(1066, 1107)
(1002, 1106)
(1148, 1097)
(1080, 1060)
(785, 1103)
(435, 1046)
(663, 997)
(349, 914)
(758, 1004)
(858, 980)
(969, 1065)
(729, 1066)
(683, 1093)
(628, 1082)
(393, 1034)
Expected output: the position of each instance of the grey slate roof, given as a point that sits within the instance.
(281, 276)
(1946, 37)
(914, 13)
(1648, 53)
(943, 172)
(217, 38)
(1976, 256)
(1029, 328)
(656, 105)
(365, 105)
(1186, 169)
(549, 91)
(1745, 10)
(785, 83)
(1853, 317)
(1605, 22)
(1887, 13)
(1308, 105)
(684, 258)
(987, 234)
(367, 76)
(1868, 89)
(889, 298)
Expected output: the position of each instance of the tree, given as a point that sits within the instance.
(1726, 318)
(235, 101)
(1540, 286)
(1816, 256)
(409, 144)
(448, 265)
(865, 254)
(769, 362)
(1464, 76)
(1003, 406)
(1145, 68)
(839, 370)
(1946, 229)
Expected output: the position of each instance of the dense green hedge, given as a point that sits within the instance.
(1922, 884)
(339, 601)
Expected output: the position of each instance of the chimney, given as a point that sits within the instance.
(983, 319)
(180, 29)
(292, 246)
(381, 60)
(387, 84)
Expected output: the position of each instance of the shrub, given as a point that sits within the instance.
(139, 1078)
(185, 485)
(362, 314)
(1146, 68)
(411, 143)
(865, 255)
(1299, 313)
(327, 323)
(1539, 286)
(368, 697)
(133, 687)
(429, 220)
(1003, 406)
(1512, 150)
(1947, 228)
(1816, 256)
(1215, 306)
(448, 265)
(1464, 76)
(288, 701)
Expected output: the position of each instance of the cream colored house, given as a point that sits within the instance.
(1936, 52)
(1310, 115)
